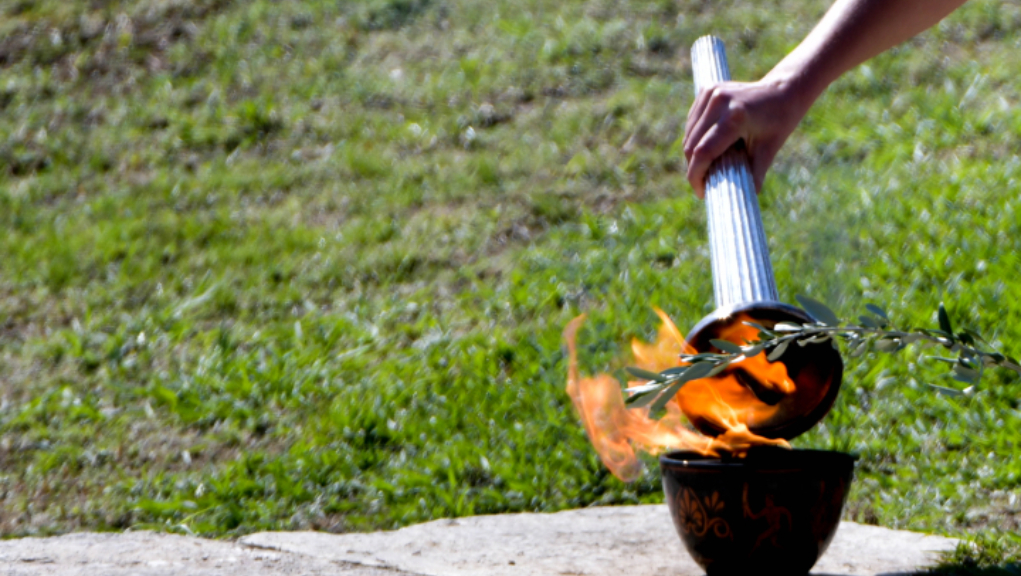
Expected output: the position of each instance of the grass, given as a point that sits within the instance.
(305, 265)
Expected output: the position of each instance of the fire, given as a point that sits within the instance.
(725, 402)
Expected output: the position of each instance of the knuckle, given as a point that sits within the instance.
(700, 151)
(719, 96)
(737, 113)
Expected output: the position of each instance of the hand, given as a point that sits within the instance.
(763, 114)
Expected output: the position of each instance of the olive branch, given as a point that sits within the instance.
(874, 331)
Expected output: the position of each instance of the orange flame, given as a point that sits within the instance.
(723, 402)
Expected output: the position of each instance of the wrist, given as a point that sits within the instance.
(797, 87)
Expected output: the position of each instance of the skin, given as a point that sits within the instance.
(764, 113)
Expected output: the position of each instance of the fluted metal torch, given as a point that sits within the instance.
(743, 281)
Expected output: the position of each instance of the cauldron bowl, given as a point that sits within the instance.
(775, 510)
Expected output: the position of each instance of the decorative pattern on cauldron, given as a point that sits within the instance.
(694, 519)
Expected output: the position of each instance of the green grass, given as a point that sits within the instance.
(305, 265)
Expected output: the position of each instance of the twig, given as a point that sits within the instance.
(874, 332)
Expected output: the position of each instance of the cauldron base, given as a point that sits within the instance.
(774, 512)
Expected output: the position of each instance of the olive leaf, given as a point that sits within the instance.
(644, 374)
(868, 322)
(762, 329)
(965, 374)
(951, 391)
(778, 351)
(944, 321)
(975, 335)
(696, 371)
(818, 310)
(676, 370)
(755, 350)
(659, 406)
(641, 399)
(859, 349)
(877, 311)
(727, 346)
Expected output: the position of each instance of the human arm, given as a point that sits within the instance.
(764, 113)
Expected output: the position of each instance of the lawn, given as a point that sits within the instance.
(305, 265)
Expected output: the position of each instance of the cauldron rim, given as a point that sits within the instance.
(760, 459)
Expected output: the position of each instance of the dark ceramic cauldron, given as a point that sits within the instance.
(773, 512)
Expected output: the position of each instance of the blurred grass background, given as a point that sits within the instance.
(304, 265)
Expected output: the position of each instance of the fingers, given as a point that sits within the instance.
(694, 114)
(762, 114)
(708, 106)
(718, 137)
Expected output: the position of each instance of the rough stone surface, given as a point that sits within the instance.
(633, 540)
(152, 554)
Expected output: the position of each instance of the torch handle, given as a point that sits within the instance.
(742, 271)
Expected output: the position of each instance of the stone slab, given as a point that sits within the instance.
(152, 554)
(633, 540)
(601, 541)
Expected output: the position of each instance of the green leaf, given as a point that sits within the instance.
(969, 362)
(644, 374)
(877, 311)
(868, 321)
(965, 374)
(727, 346)
(650, 387)
(778, 351)
(940, 334)
(723, 366)
(944, 320)
(818, 310)
(683, 374)
(941, 359)
(994, 358)
(762, 329)
(700, 357)
(659, 406)
(673, 371)
(975, 335)
(952, 392)
(888, 345)
(696, 371)
(640, 400)
(859, 349)
(754, 350)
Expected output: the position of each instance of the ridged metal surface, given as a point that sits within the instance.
(742, 271)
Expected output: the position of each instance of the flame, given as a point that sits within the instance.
(724, 402)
